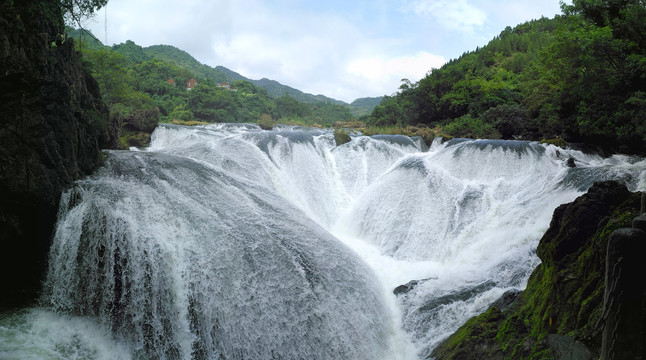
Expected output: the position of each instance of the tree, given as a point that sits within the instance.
(77, 10)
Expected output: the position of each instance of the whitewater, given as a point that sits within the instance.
(231, 242)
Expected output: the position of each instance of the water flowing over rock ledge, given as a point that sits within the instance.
(247, 243)
(561, 313)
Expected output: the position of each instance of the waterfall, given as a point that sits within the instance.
(230, 242)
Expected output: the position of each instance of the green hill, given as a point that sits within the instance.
(221, 74)
(134, 53)
(364, 106)
(579, 77)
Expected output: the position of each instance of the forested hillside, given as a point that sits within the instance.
(143, 86)
(364, 106)
(580, 76)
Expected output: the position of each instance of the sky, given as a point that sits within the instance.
(341, 49)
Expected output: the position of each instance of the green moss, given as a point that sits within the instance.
(188, 123)
(474, 339)
(341, 137)
(266, 122)
(556, 142)
(562, 297)
(133, 138)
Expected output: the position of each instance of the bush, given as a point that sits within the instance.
(508, 119)
(474, 128)
(266, 122)
(341, 137)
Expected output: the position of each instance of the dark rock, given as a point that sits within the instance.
(624, 333)
(406, 288)
(572, 226)
(507, 299)
(567, 348)
(403, 289)
(460, 294)
(341, 137)
(570, 162)
(53, 126)
(474, 340)
(564, 294)
(640, 222)
(144, 120)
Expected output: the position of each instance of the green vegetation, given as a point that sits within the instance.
(341, 137)
(579, 77)
(266, 122)
(364, 106)
(144, 86)
(564, 294)
(77, 10)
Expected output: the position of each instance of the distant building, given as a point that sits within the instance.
(226, 86)
(171, 81)
(191, 83)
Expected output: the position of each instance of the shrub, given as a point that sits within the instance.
(341, 137)
(266, 122)
(469, 127)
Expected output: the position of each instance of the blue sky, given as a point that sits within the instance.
(341, 49)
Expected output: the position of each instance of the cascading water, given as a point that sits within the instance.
(229, 242)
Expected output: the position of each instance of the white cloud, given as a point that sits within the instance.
(318, 53)
(343, 50)
(386, 73)
(454, 14)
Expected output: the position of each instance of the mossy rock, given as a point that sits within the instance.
(266, 122)
(341, 137)
(564, 294)
(130, 139)
(556, 142)
(474, 340)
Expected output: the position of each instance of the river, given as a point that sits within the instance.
(230, 242)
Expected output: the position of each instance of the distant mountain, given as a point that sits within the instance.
(222, 74)
(135, 53)
(276, 89)
(364, 106)
(183, 59)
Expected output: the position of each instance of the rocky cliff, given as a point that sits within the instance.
(561, 314)
(53, 124)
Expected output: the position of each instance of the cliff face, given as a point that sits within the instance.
(53, 124)
(560, 315)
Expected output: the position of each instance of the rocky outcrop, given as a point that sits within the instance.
(624, 311)
(560, 315)
(137, 127)
(53, 126)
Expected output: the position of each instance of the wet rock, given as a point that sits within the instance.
(403, 289)
(558, 315)
(570, 227)
(462, 294)
(507, 299)
(624, 332)
(567, 348)
(406, 288)
(640, 222)
(53, 126)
